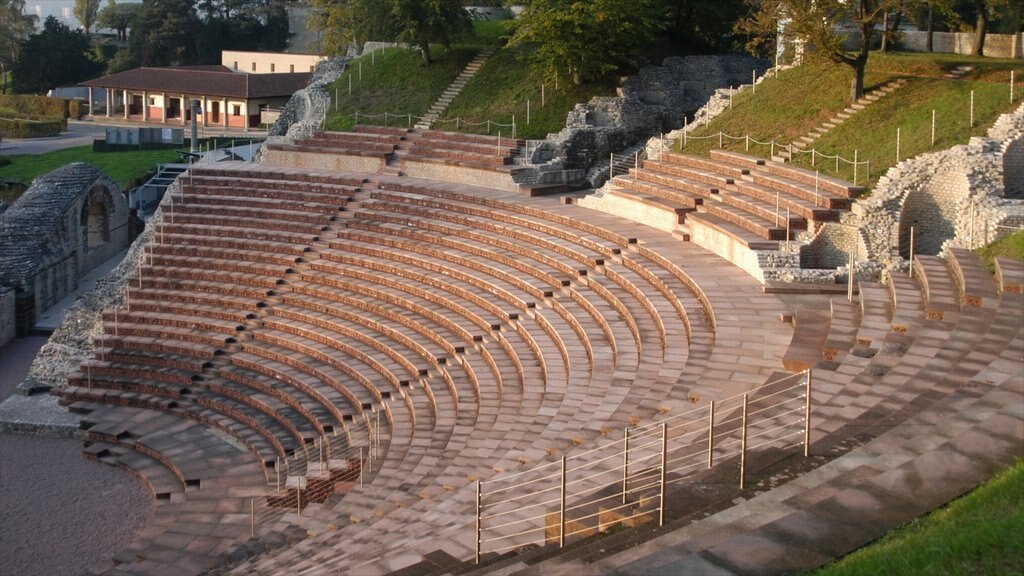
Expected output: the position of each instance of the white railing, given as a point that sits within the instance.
(408, 120)
(625, 482)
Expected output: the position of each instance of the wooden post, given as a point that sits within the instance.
(611, 165)
(855, 166)
(897, 145)
(972, 108)
(911, 251)
(252, 517)
(849, 284)
(933, 127)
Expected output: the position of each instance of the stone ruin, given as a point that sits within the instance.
(67, 223)
(963, 197)
(654, 101)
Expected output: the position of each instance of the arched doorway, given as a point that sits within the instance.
(931, 212)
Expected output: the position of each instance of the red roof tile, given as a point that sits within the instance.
(204, 81)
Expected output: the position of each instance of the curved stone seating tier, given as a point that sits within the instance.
(939, 290)
(483, 332)
(209, 506)
(973, 280)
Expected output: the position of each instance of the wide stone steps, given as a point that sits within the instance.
(454, 89)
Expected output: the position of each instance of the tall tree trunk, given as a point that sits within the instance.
(931, 28)
(425, 53)
(980, 29)
(885, 32)
(857, 84)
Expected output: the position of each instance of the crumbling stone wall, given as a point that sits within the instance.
(654, 101)
(832, 246)
(305, 111)
(941, 192)
(67, 223)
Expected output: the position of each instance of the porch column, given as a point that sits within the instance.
(106, 97)
(145, 106)
(224, 106)
(184, 110)
(165, 105)
(90, 100)
(206, 111)
(124, 100)
(245, 115)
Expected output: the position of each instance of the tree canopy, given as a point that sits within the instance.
(55, 56)
(86, 11)
(815, 23)
(118, 17)
(15, 27)
(586, 40)
(419, 23)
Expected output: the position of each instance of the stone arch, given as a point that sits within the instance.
(931, 210)
(1013, 169)
(832, 246)
(97, 211)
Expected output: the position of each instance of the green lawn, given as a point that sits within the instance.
(122, 167)
(783, 109)
(394, 81)
(979, 534)
(1011, 246)
(505, 87)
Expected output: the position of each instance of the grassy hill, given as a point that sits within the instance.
(395, 81)
(784, 108)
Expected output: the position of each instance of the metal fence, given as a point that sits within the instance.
(626, 481)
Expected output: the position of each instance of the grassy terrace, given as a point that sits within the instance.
(981, 533)
(395, 81)
(783, 109)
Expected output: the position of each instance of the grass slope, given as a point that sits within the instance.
(784, 108)
(981, 533)
(395, 81)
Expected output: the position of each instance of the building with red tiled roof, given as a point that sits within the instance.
(163, 95)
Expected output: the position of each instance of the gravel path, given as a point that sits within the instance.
(59, 513)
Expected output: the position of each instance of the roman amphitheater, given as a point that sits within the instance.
(383, 351)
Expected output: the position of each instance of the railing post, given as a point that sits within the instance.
(611, 165)
(561, 509)
(855, 166)
(711, 434)
(625, 465)
(252, 517)
(911, 251)
(719, 139)
(807, 416)
(277, 472)
(479, 501)
(849, 284)
(743, 446)
(664, 466)
(298, 499)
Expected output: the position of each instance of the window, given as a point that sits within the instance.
(271, 66)
(253, 66)
(310, 68)
(152, 101)
(236, 64)
(291, 68)
(236, 109)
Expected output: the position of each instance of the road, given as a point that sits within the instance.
(78, 134)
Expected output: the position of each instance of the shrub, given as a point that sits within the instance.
(20, 128)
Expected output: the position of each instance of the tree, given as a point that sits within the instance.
(118, 17)
(586, 40)
(56, 56)
(85, 11)
(816, 23)
(422, 22)
(419, 23)
(165, 32)
(15, 27)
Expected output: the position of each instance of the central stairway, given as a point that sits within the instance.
(428, 119)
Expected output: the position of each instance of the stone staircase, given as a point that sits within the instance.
(438, 108)
(807, 140)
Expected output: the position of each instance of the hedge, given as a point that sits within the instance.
(36, 106)
(18, 128)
